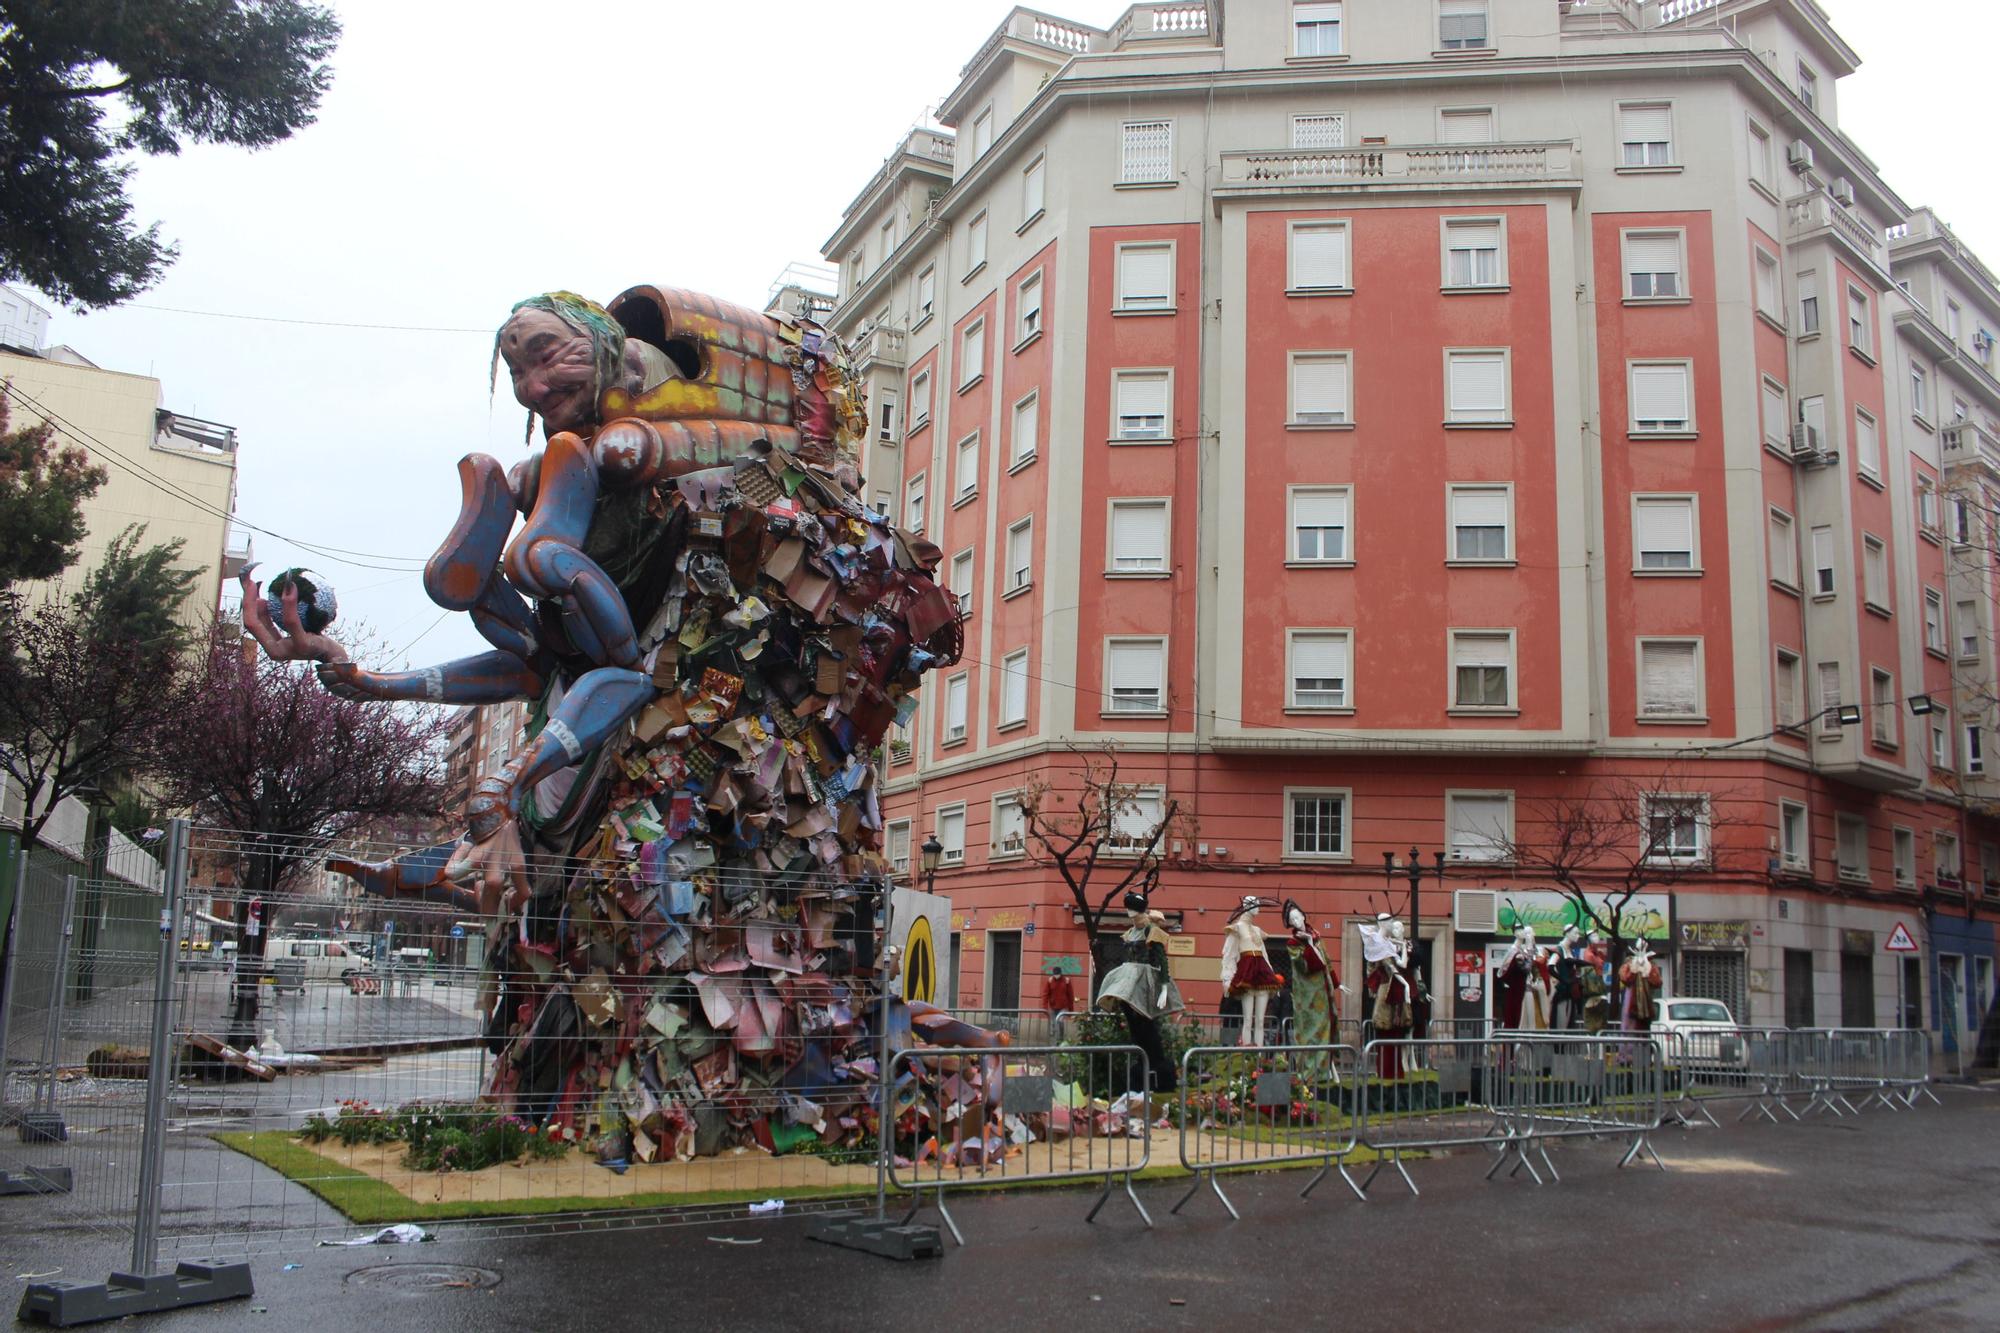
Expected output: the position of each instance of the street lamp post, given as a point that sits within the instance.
(928, 856)
(1413, 870)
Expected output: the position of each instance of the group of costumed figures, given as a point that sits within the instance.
(682, 867)
(1572, 985)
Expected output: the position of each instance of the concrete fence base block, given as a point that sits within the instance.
(38, 1180)
(67, 1304)
(887, 1239)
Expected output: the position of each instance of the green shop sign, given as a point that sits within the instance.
(1647, 915)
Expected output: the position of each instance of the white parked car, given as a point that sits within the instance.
(1707, 1034)
(318, 959)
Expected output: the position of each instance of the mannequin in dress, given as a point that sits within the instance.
(1140, 988)
(1510, 987)
(1387, 956)
(1568, 1005)
(1535, 1015)
(1314, 989)
(1639, 975)
(1246, 974)
(1594, 971)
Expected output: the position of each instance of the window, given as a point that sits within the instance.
(1663, 532)
(1777, 417)
(1462, 25)
(1135, 670)
(1319, 525)
(1882, 707)
(1829, 698)
(1860, 330)
(1026, 422)
(1653, 266)
(1903, 856)
(1010, 826)
(1034, 189)
(1954, 321)
(913, 504)
(900, 738)
(1145, 277)
(1463, 125)
(1646, 134)
(1482, 670)
(887, 233)
(1933, 620)
(975, 245)
(982, 132)
(1927, 504)
(1959, 411)
(1323, 130)
(1851, 846)
(1472, 253)
(1014, 688)
(1319, 665)
(1784, 550)
(961, 580)
(885, 416)
(926, 294)
(1808, 304)
(1146, 152)
(1138, 536)
(1763, 166)
(1316, 28)
(1812, 413)
(1808, 86)
(1662, 398)
(899, 846)
(1316, 823)
(920, 400)
(1940, 746)
(1020, 555)
(1874, 572)
(1948, 865)
(1670, 678)
(885, 504)
(1319, 257)
(965, 469)
(955, 692)
(1479, 825)
(1790, 708)
(951, 834)
(1920, 391)
(1966, 622)
(1029, 321)
(1475, 387)
(1139, 405)
(1960, 512)
(1675, 828)
(1982, 346)
(972, 354)
(1867, 444)
(1792, 835)
(1320, 389)
(1481, 522)
(1822, 553)
(1135, 821)
(1975, 749)
(1769, 301)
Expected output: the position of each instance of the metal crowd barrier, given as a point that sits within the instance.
(1844, 1063)
(1027, 1027)
(1422, 1096)
(1909, 1065)
(1263, 1106)
(1011, 1115)
(1553, 1087)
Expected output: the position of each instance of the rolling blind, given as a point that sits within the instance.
(1032, 191)
(1478, 826)
(1479, 509)
(1666, 525)
(1659, 393)
(1667, 682)
(1479, 650)
(1645, 124)
(1014, 688)
(1139, 536)
(1319, 657)
(1652, 254)
(1319, 389)
(972, 361)
(1475, 235)
(1144, 274)
(954, 705)
(1478, 383)
(1319, 257)
(1319, 509)
(1777, 416)
(1134, 668)
(1142, 396)
(1466, 127)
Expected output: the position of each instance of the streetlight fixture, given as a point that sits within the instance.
(928, 857)
(1922, 705)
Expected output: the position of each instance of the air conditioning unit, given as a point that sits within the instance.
(1805, 440)
(1799, 157)
(1475, 912)
(1843, 191)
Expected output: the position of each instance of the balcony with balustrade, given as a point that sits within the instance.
(882, 345)
(1810, 216)
(1378, 167)
(1968, 443)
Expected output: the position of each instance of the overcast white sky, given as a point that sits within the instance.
(458, 166)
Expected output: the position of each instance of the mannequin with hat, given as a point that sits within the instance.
(1639, 976)
(1140, 988)
(1247, 975)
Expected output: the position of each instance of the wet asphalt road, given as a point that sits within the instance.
(1882, 1221)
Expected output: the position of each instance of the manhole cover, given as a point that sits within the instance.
(425, 1277)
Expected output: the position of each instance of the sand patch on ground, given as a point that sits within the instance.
(1726, 1166)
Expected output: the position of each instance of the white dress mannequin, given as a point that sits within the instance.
(1246, 973)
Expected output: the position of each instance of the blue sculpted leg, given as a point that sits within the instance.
(600, 703)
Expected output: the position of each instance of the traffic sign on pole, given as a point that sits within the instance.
(1900, 940)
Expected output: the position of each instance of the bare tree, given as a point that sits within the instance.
(1100, 823)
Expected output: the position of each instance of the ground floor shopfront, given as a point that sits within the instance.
(1789, 920)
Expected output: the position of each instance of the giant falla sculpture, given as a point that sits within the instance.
(682, 864)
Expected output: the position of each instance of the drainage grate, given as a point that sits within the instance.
(424, 1277)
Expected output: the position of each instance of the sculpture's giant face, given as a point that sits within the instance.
(553, 367)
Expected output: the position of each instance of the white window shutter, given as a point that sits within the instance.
(1320, 657)
(1145, 275)
(1032, 190)
(1319, 509)
(1777, 416)
(1319, 389)
(1475, 236)
(1645, 124)
(1653, 254)
(1478, 827)
(1660, 393)
(1479, 650)
(1666, 525)
(954, 704)
(1135, 667)
(1466, 127)
(1479, 509)
(1478, 384)
(1668, 684)
(1139, 536)
(1319, 257)
(1014, 688)
(1142, 395)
